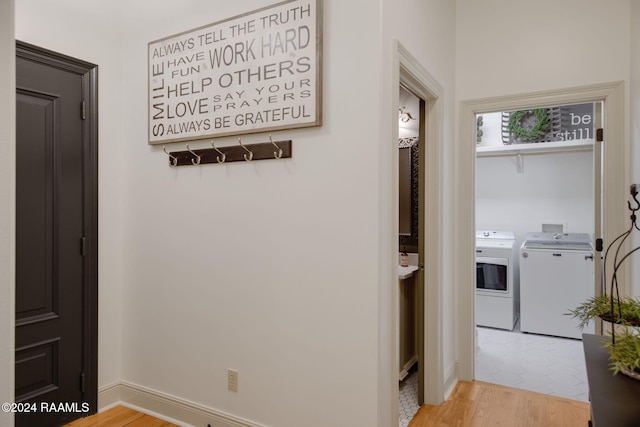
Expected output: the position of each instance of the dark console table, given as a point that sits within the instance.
(615, 399)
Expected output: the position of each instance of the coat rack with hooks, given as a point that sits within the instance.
(232, 153)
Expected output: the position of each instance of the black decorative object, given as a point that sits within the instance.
(616, 312)
(624, 347)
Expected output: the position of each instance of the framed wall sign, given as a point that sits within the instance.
(256, 72)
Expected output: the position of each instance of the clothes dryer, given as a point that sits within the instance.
(497, 291)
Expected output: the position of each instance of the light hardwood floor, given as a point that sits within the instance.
(479, 404)
(120, 416)
(472, 404)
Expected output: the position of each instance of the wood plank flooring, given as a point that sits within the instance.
(472, 404)
(479, 404)
(120, 416)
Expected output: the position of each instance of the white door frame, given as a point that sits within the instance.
(409, 73)
(615, 181)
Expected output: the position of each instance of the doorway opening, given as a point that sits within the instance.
(613, 184)
(410, 75)
(537, 221)
(410, 281)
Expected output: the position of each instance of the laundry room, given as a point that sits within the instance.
(535, 191)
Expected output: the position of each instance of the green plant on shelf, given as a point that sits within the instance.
(625, 311)
(625, 353)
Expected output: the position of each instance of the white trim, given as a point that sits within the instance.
(8, 208)
(418, 80)
(407, 367)
(450, 379)
(109, 396)
(167, 407)
(615, 180)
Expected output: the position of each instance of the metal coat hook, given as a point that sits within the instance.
(197, 161)
(267, 150)
(224, 156)
(173, 160)
(247, 150)
(634, 194)
(276, 154)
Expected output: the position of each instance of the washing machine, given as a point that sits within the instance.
(496, 279)
(556, 275)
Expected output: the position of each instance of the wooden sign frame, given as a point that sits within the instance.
(256, 72)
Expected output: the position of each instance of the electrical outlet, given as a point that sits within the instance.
(232, 380)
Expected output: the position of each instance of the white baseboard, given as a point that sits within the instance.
(109, 396)
(166, 407)
(407, 367)
(450, 379)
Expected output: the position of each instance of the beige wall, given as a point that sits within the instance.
(273, 269)
(427, 30)
(635, 120)
(7, 207)
(505, 48)
(268, 268)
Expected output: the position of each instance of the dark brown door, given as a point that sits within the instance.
(56, 295)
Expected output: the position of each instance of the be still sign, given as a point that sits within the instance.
(251, 73)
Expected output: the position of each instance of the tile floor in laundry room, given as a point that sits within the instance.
(544, 364)
(539, 363)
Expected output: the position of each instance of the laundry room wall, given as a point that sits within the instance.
(555, 188)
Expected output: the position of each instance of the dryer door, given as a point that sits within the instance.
(492, 276)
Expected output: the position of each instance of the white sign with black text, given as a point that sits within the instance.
(251, 73)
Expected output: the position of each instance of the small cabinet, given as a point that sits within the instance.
(614, 398)
(407, 326)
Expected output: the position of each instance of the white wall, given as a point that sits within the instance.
(269, 268)
(553, 188)
(427, 30)
(92, 34)
(507, 47)
(7, 207)
(635, 118)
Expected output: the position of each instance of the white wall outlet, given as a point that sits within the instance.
(232, 380)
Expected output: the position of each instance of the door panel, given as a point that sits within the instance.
(54, 312)
(34, 296)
